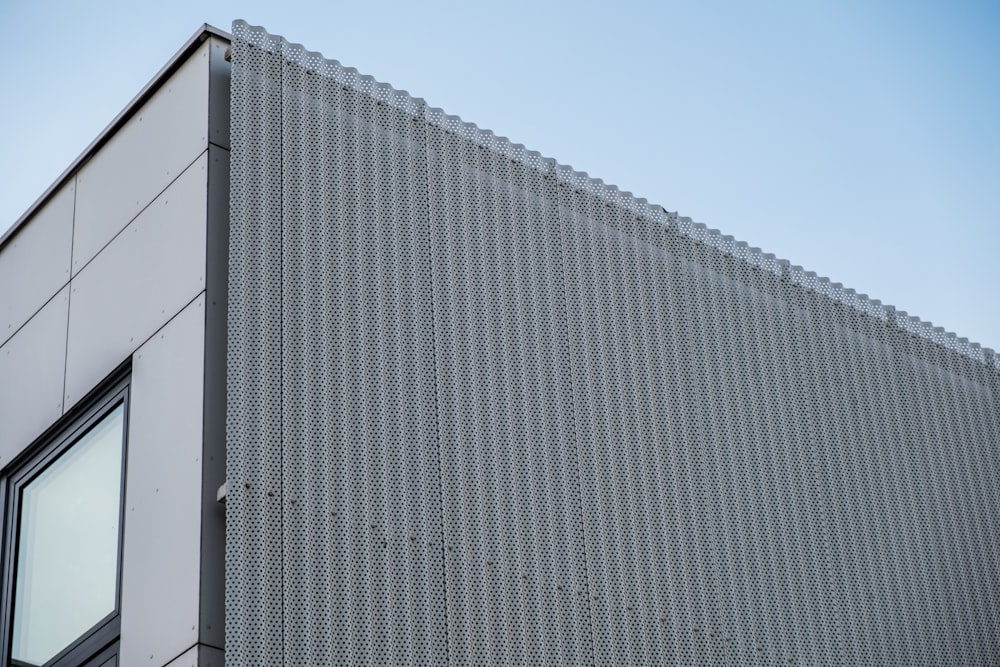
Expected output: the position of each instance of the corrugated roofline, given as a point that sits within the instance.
(402, 100)
(196, 40)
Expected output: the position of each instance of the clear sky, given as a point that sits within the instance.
(858, 139)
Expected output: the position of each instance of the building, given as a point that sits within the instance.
(463, 405)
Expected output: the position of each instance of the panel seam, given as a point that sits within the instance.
(181, 172)
(578, 478)
(69, 299)
(437, 397)
(281, 344)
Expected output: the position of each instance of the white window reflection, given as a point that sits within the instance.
(67, 558)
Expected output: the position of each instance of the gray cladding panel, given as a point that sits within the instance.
(486, 410)
(218, 93)
(213, 521)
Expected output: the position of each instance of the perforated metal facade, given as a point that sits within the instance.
(485, 410)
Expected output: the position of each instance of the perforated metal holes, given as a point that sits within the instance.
(487, 410)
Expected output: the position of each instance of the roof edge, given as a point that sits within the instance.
(201, 35)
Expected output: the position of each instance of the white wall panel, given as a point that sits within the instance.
(31, 377)
(35, 263)
(144, 277)
(161, 560)
(143, 158)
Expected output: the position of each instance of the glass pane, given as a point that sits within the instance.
(67, 558)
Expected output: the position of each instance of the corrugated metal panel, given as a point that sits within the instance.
(510, 415)
(362, 520)
(254, 557)
(515, 564)
(355, 464)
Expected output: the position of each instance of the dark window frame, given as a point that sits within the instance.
(100, 642)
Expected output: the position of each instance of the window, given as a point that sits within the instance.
(62, 520)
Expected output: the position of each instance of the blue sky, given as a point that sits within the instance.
(860, 140)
